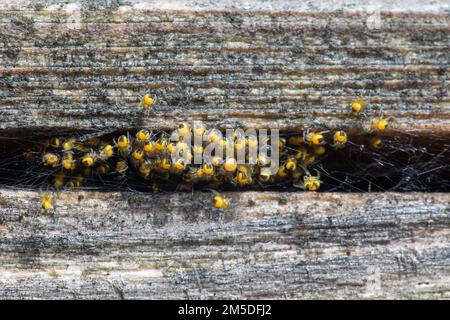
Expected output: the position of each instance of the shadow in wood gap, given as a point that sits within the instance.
(369, 162)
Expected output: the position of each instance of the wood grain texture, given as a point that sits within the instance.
(80, 65)
(268, 245)
(280, 64)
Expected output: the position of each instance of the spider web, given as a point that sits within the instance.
(405, 162)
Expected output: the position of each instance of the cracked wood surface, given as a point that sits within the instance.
(285, 64)
(268, 245)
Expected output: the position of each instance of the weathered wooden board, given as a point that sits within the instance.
(269, 245)
(283, 64)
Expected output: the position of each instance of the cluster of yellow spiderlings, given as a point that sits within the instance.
(149, 155)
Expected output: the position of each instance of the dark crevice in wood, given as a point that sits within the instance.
(404, 163)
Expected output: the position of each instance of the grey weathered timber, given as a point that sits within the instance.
(285, 64)
(268, 245)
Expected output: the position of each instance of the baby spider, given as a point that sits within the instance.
(161, 144)
(142, 136)
(291, 164)
(376, 142)
(69, 144)
(55, 142)
(89, 159)
(314, 138)
(265, 174)
(230, 165)
(145, 168)
(106, 152)
(165, 164)
(252, 141)
(358, 104)
(178, 166)
(220, 201)
(310, 182)
(381, 123)
(68, 162)
(46, 201)
(58, 180)
(301, 153)
(121, 168)
(239, 144)
(198, 150)
(243, 176)
(213, 135)
(50, 159)
(123, 145)
(339, 139)
(136, 157)
(183, 130)
(76, 182)
(172, 148)
(216, 161)
(281, 173)
(199, 130)
(149, 147)
(208, 169)
(147, 102)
